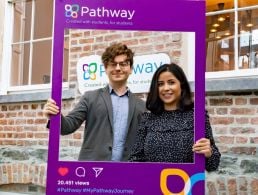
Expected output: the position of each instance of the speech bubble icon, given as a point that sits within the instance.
(80, 172)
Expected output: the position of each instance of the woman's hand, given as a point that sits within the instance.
(50, 108)
(203, 146)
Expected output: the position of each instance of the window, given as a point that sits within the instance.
(231, 38)
(31, 45)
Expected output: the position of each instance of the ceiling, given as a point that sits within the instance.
(212, 5)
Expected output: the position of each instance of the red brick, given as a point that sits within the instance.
(29, 114)
(29, 135)
(77, 136)
(10, 121)
(221, 111)
(21, 135)
(9, 142)
(221, 120)
(40, 121)
(2, 135)
(221, 102)
(76, 35)
(30, 121)
(254, 101)
(99, 39)
(254, 186)
(242, 120)
(242, 130)
(98, 46)
(221, 184)
(34, 106)
(242, 183)
(74, 42)
(3, 108)
(232, 186)
(41, 135)
(9, 128)
(211, 188)
(254, 140)
(76, 49)
(86, 40)
(20, 121)
(131, 42)
(241, 140)
(98, 32)
(210, 110)
(176, 53)
(86, 48)
(14, 107)
(144, 40)
(244, 150)
(243, 111)
(43, 142)
(254, 121)
(86, 33)
(141, 33)
(112, 37)
(240, 101)
(25, 107)
(225, 139)
(3, 122)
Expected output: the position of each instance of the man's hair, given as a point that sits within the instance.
(115, 50)
(154, 103)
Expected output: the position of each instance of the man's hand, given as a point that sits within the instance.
(50, 108)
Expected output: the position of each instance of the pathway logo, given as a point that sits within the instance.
(89, 71)
(189, 182)
(72, 10)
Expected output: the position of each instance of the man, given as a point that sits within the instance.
(111, 113)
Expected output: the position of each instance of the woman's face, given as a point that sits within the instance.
(169, 90)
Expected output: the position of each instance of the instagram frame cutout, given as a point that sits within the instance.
(65, 177)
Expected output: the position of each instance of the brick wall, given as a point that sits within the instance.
(234, 119)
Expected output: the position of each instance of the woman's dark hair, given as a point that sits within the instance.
(154, 103)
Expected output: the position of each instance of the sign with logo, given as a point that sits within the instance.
(97, 177)
(91, 72)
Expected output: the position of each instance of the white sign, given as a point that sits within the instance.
(91, 72)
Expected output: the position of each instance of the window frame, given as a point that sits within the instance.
(236, 73)
(7, 55)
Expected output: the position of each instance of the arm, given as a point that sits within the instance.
(211, 163)
(137, 153)
(75, 117)
(73, 120)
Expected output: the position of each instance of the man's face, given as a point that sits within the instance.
(118, 70)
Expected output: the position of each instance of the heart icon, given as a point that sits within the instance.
(63, 171)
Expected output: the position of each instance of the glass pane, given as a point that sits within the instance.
(22, 21)
(220, 42)
(248, 39)
(43, 22)
(245, 3)
(214, 5)
(20, 64)
(66, 59)
(41, 62)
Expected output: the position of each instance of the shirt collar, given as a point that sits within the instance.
(111, 90)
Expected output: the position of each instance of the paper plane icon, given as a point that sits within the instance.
(97, 170)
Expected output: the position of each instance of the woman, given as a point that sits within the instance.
(166, 133)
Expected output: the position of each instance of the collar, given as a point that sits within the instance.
(111, 90)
